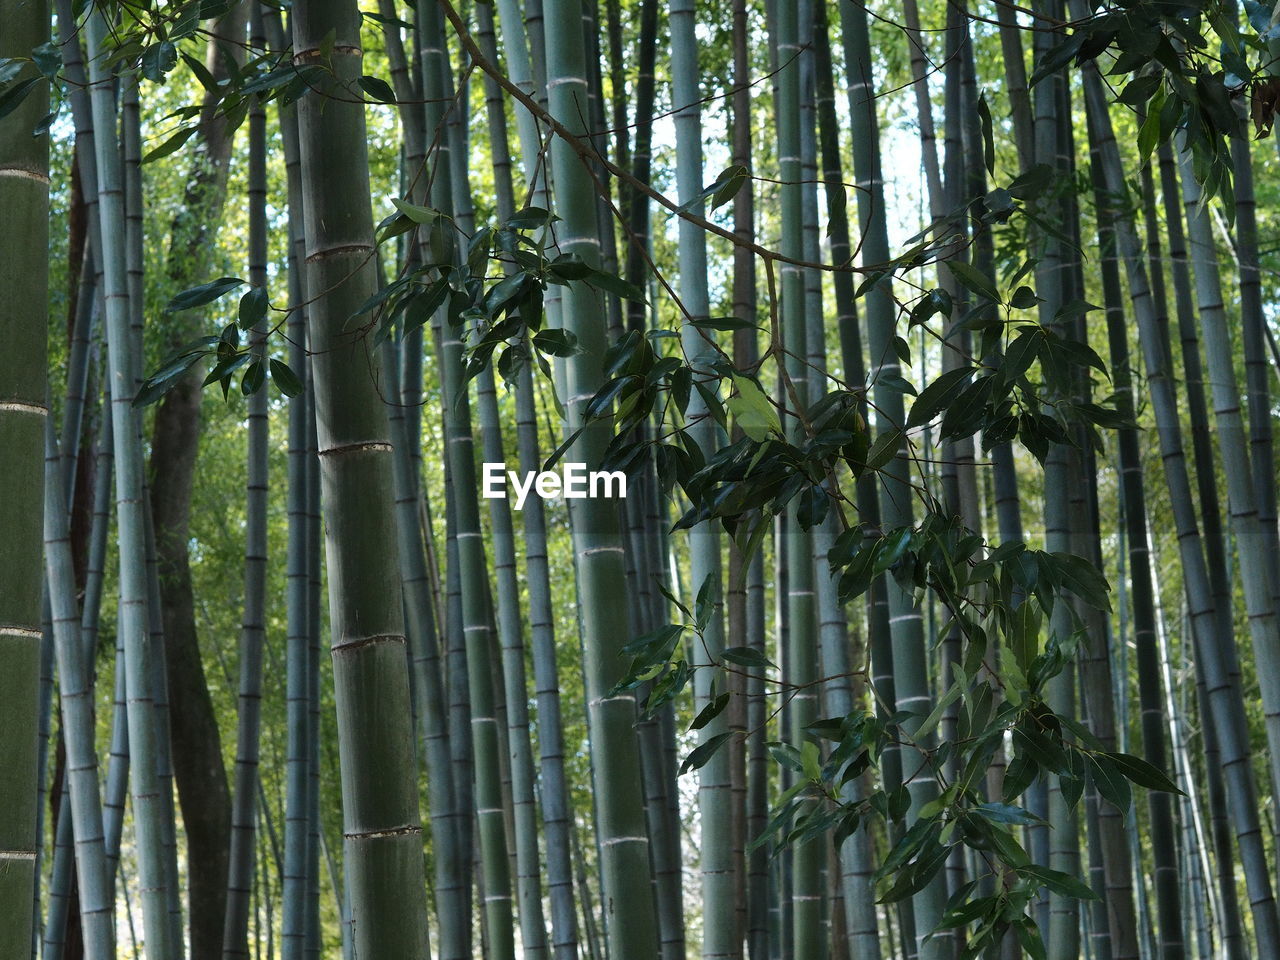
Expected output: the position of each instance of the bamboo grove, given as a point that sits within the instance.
(776, 480)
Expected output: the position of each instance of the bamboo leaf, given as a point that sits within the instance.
(377, 88)
(973, 279)
(710, 712)
(703, 753)
(1142, 773)
(171, 145)
(205, 293)
(285, 378)
(746, 657)
(1059, 882)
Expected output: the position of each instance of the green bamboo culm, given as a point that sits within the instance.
(1254, 543)
(801, 656)
(298, 660)
(597, 540)
(911, 686)
(721, 937)
(533, 928)
(75, 693)
(24, 212)
(244, 808)
(139, 668)
(471, 565)
(384, 868)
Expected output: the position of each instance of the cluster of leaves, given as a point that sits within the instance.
(230, 353)
(999, 600)
(502, 316)
(1191, 70)
(498, 315)
(827, 798)
(665, 660)
(16, 83)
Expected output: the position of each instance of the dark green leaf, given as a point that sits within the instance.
(710, 712)
(974, 279)
(746, 657)
(615, 285)
(171, 145)
(1143, 773)
(937, 395)
(12, 98)
(530, 218)
(1059, 882)
(285, 378)
(253, 307)
(205, 293)
(377, 88)
(704, 752)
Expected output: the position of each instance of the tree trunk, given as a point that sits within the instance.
(383, 836)
(24, 212)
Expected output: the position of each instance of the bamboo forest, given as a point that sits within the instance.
(639, 480)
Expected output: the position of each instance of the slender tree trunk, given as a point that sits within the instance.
(383, 860)
(203, 791)
(1231, 932)
(148, 805)
(805, 931)
(24, 212)
(76, 697)
(235, 938)
(720, 937)
(906, 625)
(597, 546)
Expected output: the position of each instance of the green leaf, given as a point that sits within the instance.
(988, 138)
(1024, 298)
(12, 98)
(722, 323)
(616, 285)
(558, 342)
(1029, 937)
(285, 378)
(377, 88)
(201, 71)
(746, 657)
(928, 724)
(937, 395)
(253, 307)
(531, 218)
(253, 378)
(710, 712)
(1083, 579)
(884, 449)
(165, 379)
(704, 752)
(1109, 781)
(1006, 813)
(1059, 882)
(973, 279)
(423, 215)
(171, 145)
(753, 411)
(205, 293)
(47, 58)
(1152, 128)
(1142, 773)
